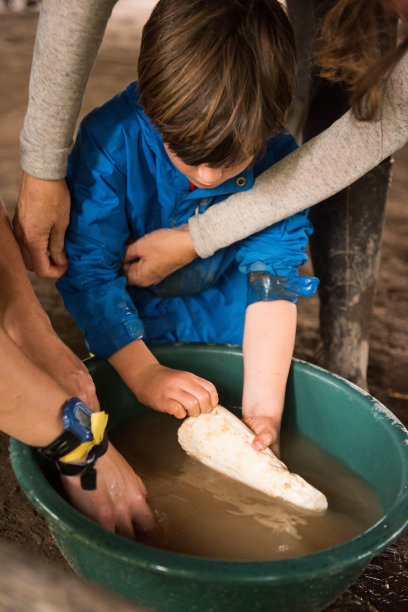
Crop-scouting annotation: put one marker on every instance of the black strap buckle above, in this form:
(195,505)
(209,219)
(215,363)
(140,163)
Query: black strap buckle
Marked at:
(86,470)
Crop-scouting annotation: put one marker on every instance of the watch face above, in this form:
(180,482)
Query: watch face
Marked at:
(77,419)
(83,418)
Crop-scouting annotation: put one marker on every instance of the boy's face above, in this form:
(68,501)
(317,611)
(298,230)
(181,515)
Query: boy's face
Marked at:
(203,176)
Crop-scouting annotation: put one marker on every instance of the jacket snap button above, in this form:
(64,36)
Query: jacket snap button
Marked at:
(241,181)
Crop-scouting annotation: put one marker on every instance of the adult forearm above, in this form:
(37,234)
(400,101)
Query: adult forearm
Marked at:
(16,293)
(320,168)
(31,402)
(68,38)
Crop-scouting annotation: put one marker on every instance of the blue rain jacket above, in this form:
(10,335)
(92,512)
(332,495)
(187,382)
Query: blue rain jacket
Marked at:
(123,185)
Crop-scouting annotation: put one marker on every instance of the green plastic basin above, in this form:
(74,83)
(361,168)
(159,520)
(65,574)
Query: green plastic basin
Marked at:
(348,423)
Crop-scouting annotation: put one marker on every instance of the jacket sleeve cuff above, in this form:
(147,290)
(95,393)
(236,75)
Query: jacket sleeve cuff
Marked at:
(115,338)
(263,287)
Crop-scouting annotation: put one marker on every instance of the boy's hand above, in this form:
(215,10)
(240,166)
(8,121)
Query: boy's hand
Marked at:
(156,255)
(266,431)
(174,391)
(119,500)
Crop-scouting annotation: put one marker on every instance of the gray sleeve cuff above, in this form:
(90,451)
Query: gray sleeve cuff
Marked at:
(199,243)
(48,164)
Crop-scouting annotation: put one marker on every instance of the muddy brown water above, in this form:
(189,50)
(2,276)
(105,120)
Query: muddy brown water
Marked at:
(204,513)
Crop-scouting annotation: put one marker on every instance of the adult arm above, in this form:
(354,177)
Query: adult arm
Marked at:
(320,168)
(28,326)
(67,42)
(31,410)
(323,166)
(38,374)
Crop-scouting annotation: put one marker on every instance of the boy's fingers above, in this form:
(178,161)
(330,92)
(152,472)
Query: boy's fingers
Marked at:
(199,397)
(209,399)
(259,443)
(175,408)
(190,402)
(265,440)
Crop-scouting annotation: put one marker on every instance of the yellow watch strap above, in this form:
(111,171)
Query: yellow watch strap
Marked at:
(98,426)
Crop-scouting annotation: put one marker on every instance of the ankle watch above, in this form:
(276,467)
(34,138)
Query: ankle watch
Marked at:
(77,421)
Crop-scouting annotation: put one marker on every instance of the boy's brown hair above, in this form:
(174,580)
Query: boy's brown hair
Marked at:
(216,77)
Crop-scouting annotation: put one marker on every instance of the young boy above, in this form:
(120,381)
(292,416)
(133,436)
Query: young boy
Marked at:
(205,118)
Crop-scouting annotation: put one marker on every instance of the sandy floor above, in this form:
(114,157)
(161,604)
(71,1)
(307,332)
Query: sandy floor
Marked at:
(388,349)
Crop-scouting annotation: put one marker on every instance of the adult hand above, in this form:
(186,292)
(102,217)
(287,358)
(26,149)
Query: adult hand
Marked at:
(40,221)
(266,433)
(174,391)
(156,255)
(119,501)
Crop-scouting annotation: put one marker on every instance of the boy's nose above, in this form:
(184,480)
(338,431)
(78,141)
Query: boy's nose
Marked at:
(208,176)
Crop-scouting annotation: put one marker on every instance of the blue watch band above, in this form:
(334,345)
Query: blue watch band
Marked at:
(77,419)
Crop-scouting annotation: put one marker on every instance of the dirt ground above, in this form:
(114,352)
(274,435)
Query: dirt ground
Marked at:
(388,365)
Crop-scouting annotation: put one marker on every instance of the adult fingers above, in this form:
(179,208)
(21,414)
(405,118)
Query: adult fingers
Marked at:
(131,271)
(125,527)
(141,273)
(56,244)
(37,259)
(143,519)
(43,265)
(42,209)
(132,251)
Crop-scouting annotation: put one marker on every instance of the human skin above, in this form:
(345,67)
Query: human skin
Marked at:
(29,327)
(269,338)
(41,200)
(38,374)
(164,389)
(40,222)
(144,271)
(205,176)
(154,256)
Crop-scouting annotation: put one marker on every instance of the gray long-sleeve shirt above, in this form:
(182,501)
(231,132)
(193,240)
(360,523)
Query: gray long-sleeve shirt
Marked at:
(68,38)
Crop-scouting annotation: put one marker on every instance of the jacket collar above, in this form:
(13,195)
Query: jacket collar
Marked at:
(180,183)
